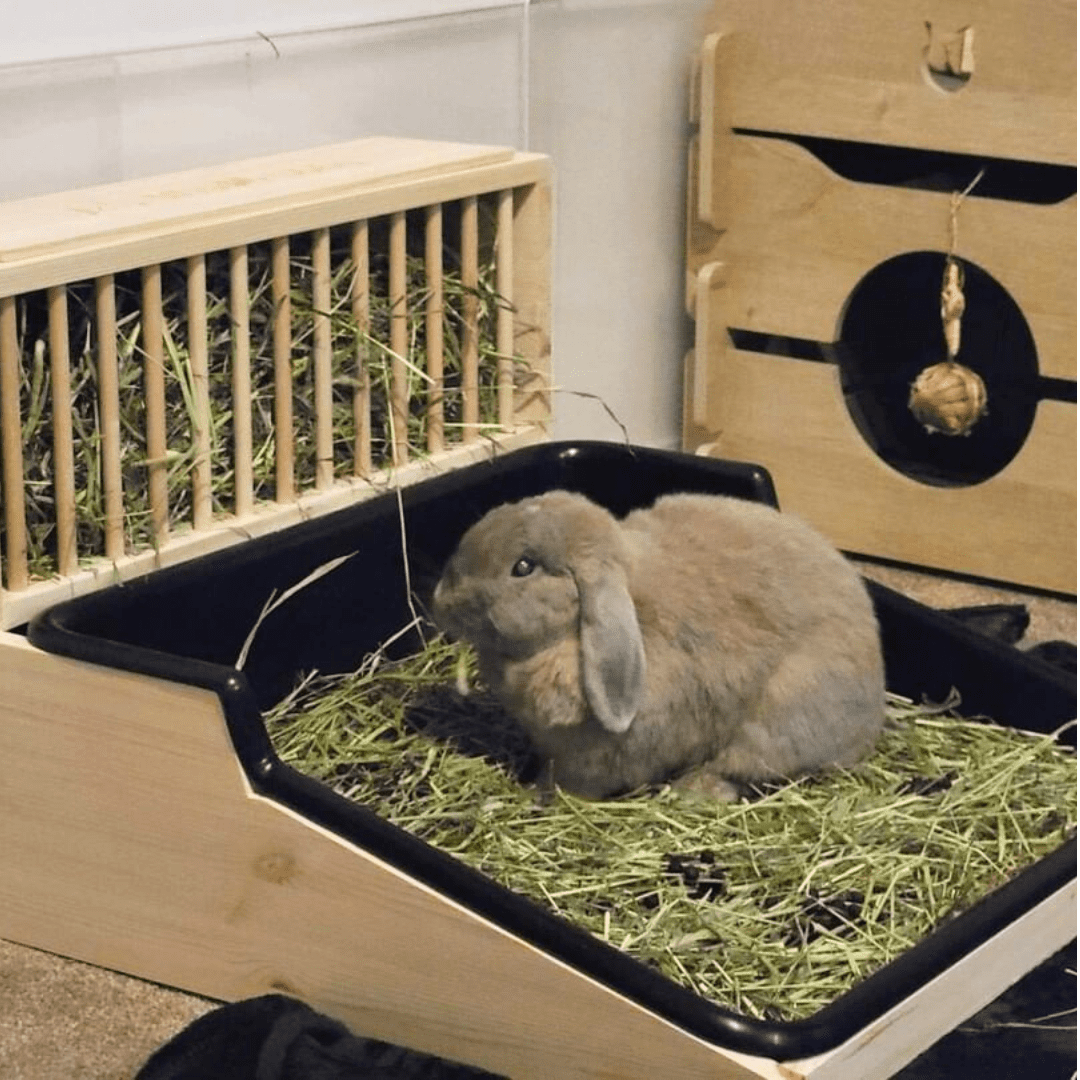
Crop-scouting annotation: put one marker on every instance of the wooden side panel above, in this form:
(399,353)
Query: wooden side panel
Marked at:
(801,238)
(789,416)
(131,840)
(851,70)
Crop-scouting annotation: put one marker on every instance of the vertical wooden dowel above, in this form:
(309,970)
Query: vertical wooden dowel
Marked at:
(67,558)
(470,331)
(399,341)
(17,574)
(240,313)
(433,325)
(109,404)
(324,401)
(198,356)
(361,313)
(504,323)
(154,386)
(362,320)
(283,413)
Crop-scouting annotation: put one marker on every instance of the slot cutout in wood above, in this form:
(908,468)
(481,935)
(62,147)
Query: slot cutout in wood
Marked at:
(936,170)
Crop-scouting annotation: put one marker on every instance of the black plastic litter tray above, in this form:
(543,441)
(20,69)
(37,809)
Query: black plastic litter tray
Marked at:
(188,623)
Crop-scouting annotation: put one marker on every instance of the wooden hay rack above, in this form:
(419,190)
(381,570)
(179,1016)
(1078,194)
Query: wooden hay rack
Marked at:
(312,256)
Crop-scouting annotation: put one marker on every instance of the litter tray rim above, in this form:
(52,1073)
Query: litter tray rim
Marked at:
(56,631)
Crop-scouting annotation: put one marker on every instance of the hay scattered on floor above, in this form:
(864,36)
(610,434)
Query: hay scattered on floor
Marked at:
(773,906)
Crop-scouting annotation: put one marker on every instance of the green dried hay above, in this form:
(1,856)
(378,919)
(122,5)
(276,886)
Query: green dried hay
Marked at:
(773,906)
(348,341)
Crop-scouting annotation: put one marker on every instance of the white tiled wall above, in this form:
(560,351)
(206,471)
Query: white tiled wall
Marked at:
(598,84)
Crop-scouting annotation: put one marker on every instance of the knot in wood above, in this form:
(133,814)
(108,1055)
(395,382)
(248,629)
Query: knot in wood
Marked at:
(277,867)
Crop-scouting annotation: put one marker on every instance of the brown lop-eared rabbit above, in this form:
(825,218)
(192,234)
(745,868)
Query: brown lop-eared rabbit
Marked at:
(706,639)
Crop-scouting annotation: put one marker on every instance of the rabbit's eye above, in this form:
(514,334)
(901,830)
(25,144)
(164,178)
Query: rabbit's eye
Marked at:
(523,567)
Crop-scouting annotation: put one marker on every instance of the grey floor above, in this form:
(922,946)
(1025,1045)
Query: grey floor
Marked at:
(64,1019)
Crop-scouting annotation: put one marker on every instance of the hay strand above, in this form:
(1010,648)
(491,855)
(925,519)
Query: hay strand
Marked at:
(275,601)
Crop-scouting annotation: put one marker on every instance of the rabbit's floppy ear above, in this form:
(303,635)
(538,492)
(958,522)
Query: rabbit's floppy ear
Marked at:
(612,651)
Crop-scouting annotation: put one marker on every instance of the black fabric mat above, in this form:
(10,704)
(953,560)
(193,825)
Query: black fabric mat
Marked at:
(278,1038)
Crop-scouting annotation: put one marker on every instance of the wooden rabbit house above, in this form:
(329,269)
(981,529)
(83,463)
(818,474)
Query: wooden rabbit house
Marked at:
(845,153)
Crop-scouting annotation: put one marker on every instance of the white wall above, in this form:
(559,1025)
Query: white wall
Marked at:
(609,85)
(598,84)
(118,26)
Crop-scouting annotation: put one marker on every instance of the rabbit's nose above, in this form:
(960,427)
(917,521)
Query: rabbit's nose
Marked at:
(449,576)
(443,589)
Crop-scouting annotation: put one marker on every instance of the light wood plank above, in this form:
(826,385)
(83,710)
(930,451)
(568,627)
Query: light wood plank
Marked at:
(532,304)
(74,235)
(710,338)
(199,883)
(801,239)
(41,223)
(700,237)
(850,70)
(196,882)
(713,202)
(790,416)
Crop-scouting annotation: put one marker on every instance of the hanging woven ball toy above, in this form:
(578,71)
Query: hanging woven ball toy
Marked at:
(949,398)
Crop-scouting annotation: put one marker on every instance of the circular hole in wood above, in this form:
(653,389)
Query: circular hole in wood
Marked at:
(891,330)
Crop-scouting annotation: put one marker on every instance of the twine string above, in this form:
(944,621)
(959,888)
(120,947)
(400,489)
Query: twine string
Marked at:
(952,282)
(955,200)
(949,398)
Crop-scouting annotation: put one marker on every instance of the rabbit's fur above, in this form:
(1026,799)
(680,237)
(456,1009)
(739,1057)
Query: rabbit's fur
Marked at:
(706,637)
